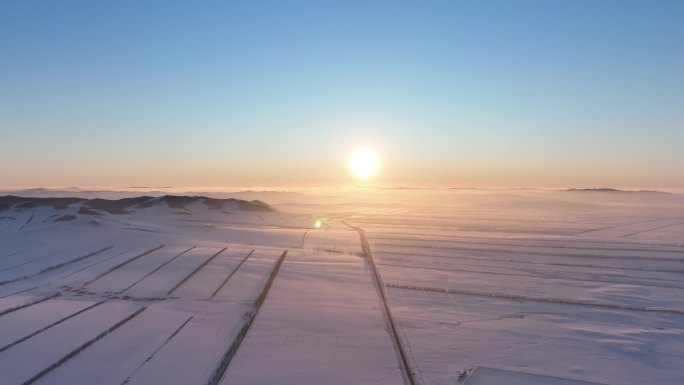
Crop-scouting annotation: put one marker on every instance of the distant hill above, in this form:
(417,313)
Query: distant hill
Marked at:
(126,205)
(612,190)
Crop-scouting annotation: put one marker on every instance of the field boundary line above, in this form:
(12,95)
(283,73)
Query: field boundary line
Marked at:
(86,283)
(13,253)
(160,347)
(530,243)
(585,265)
(18,292)
(250,316)
(155,270)
(19,307)
(81,348)
(530,252)
(231,274)
(98,262)
(57,266)
(22,339)
(198,268)
(625,281)
(517,297)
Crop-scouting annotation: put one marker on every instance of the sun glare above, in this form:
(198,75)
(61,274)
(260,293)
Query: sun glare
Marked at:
(364,162)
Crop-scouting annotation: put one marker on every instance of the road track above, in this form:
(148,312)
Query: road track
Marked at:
(407,373)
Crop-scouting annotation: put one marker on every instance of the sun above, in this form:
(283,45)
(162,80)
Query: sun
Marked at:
(364,162)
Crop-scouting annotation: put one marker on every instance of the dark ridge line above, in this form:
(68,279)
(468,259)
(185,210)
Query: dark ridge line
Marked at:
(198,268)
(82,348)
(160,347)
(674,271)
(505,251)
(19,307)
(97,263)
(517,297)
(49,326)
(18,292)
(231,274)
(407,373)
(86,283)
(559,244)
(155,270)
(220,370)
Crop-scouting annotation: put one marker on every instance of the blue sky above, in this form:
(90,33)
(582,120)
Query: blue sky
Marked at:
(258,93)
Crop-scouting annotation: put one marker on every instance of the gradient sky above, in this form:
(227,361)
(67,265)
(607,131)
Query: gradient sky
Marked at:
(543,93)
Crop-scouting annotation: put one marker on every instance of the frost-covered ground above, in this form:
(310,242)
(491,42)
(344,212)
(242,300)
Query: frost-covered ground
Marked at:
(396,287)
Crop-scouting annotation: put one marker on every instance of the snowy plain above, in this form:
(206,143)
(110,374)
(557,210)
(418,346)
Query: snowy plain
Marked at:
(397,286)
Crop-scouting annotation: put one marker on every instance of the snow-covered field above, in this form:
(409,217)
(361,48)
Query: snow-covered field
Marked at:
(399,286)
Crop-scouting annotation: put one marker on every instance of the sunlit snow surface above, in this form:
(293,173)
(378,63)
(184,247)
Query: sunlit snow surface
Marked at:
(543,287)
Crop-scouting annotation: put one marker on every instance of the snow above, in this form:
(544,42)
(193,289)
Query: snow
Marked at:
(484,287)
(490,376)
(19,324)
(322,324)
(21,362)
(120,352)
